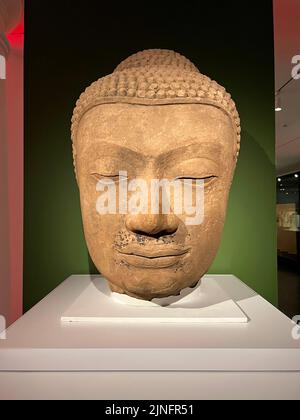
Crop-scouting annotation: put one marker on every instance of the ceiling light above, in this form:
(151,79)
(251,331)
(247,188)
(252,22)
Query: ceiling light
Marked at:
(279,179)
(296,176)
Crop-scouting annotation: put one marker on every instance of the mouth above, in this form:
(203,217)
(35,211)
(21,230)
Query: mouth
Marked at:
(153,258)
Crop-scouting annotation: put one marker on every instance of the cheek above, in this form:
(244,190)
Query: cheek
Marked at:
(98,228)
(212,210)
(215,205)
(206,237)
(88,200)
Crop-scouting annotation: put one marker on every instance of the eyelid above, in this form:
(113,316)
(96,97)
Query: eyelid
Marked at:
(208,180)
(98,176)
(196,177)
(105,177)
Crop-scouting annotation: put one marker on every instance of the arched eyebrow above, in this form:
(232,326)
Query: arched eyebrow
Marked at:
(121,152)
(210,150)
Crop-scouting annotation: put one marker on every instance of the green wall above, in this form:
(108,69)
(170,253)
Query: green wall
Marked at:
(72,48)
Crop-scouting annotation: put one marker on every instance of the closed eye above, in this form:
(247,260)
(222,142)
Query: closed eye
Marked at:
(106,178)
(207,179)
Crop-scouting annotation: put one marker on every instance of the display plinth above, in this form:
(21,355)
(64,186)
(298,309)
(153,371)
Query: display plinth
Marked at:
(206,303)
(40,346)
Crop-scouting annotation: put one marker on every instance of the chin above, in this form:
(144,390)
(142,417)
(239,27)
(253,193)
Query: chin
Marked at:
(148,284)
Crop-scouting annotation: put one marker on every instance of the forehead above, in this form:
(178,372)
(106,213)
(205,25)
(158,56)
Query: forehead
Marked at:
(154,129)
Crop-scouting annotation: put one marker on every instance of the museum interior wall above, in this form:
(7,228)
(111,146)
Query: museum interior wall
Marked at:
(287,123)
(64,55)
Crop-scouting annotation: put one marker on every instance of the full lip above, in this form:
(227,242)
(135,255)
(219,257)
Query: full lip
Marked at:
(153,258)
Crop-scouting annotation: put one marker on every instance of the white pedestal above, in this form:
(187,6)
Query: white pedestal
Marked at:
(45,358)
(208,302)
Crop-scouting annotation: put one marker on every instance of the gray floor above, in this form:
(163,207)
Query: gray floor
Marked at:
(289,291)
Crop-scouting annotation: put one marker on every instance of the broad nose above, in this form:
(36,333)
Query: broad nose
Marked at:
(152,225)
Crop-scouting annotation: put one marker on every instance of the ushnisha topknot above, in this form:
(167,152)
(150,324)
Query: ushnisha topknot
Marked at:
(156,58)
(155,77)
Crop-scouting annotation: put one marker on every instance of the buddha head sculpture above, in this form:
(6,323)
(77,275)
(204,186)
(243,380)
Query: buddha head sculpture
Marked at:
(155,119)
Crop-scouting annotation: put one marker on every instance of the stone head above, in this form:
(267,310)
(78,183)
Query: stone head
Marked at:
(155,119)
